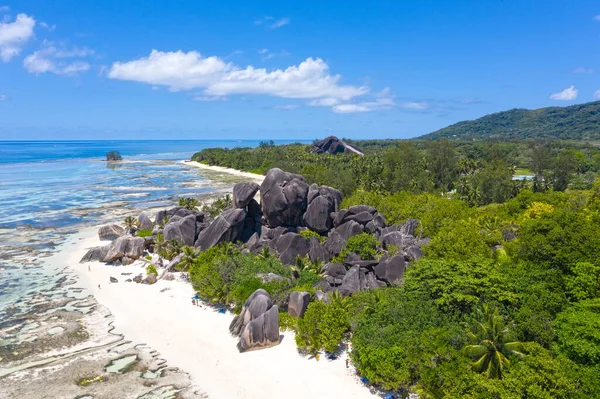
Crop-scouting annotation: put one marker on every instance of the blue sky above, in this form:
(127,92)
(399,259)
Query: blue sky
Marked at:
(284,70)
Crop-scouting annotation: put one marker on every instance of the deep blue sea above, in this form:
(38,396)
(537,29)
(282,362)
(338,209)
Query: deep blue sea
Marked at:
(50,189)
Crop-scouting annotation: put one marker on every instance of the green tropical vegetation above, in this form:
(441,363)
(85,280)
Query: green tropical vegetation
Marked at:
(576,122)
(504,304)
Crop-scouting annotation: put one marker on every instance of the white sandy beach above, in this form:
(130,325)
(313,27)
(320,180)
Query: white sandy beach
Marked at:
(255,177)
(197,340)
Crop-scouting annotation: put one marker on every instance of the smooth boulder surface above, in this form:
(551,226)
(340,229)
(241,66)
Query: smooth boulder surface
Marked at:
(131,247)
(334,243)
(351,282)
(178,211)
(336,270)
(144,222)
(110,232)
(391,269)
(298,303)
(96,254)
(318,251)
(291,245)
(227,227)
(262,332)
(397,239)
(349,229)
(283,198)
(150,279)
(243,193)
(258,323)
(318,215)
(182,230)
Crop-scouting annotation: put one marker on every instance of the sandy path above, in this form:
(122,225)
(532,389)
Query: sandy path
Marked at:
(197,340)
(255,177)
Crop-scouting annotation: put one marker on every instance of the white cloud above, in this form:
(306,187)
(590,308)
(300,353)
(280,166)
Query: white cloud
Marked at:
(209,98)
(185,71)
(268,56)
(3,97)
(4,8)
(582,70)
(14,35)
(272,25)
(568,94)
(415,105)
(279,23)
(48,27)
(365,106)
(597,95)
(52,59)
(597,18)
(324,102)
(263,51)
(286,107)
(350,108)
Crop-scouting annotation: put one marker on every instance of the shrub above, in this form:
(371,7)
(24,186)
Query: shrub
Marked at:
(323,327)
(215,208)
(144,233)
(151,269)
(584,283)
(458,240)
(363,244)
(309,233)
(578,332)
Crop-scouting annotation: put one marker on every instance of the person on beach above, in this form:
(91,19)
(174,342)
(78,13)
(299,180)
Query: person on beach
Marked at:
(98,286)
(347,362)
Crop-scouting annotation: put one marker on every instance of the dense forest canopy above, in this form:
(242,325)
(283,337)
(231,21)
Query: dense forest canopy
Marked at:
(576,122)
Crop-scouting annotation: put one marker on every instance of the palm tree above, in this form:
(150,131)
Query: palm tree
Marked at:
(173,248)
(188,258)
(189,203)
(160,246)
(130,223)
(492,351)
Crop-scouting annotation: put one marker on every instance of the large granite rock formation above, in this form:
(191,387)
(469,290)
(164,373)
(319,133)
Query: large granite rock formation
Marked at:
(110,232)
(130,247)
(179,211)
(290,246)
(144,222)
(298,303)
(184,230)
(333,145)
(227,227)
(322,202)
(243,193)
(283,198)
(257,325)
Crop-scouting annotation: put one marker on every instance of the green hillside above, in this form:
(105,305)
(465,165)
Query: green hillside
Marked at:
(576,122)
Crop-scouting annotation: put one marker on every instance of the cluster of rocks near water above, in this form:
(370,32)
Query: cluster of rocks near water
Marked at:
(288,205)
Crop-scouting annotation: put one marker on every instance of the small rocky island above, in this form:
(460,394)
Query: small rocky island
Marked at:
(288,207)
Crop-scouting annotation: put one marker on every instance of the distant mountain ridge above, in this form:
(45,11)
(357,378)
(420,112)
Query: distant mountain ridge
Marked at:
(575,122)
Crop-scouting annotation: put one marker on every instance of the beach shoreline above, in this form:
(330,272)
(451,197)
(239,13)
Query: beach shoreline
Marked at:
(254,176)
